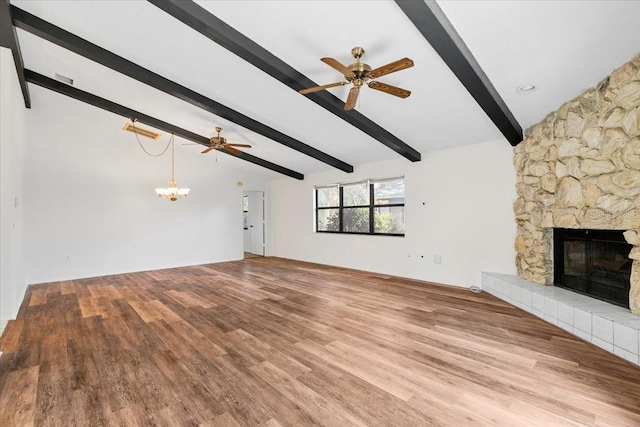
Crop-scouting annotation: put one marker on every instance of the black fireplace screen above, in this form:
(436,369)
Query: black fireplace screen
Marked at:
(593,262)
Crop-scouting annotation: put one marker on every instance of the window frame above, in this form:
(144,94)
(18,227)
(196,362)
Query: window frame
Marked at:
(245,212)
(371,206)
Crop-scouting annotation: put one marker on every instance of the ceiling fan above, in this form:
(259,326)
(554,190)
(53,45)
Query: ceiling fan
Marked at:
(220,143)
(359,74)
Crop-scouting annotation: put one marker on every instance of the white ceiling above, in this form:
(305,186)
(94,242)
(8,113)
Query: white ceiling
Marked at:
(562,47)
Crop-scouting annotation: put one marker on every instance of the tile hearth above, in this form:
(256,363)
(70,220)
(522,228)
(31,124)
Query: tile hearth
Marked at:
(608,326)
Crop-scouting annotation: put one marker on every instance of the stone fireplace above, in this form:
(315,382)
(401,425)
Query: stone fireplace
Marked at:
(580,169)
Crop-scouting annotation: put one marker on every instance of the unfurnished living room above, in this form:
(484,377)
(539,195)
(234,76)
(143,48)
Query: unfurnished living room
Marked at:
(319,213)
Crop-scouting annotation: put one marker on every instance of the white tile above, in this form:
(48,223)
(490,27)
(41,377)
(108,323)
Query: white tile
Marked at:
(625,338)
(505,288)
(582,320)
(590,304)
(602,328)
(565,313)
(526,298)
(625,318)
(537,302)
(497,285)
(526,308)
(493,281)
(602,344)
(608,326)
(566,326)
(538,313)
(551,307)
(487,281)
(605,307)
(631,357)
(585,336)
(516,293)
(550,319)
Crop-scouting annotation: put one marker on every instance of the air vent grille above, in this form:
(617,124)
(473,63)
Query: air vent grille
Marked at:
(148,133)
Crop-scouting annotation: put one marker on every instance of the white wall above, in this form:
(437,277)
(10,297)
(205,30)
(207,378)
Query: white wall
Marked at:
(12,141)
(467,217)
(90,208)
(85,192)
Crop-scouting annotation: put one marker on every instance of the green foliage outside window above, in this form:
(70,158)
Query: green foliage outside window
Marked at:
(348,208)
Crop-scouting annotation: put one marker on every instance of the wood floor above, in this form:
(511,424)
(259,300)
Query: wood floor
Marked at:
(270,342)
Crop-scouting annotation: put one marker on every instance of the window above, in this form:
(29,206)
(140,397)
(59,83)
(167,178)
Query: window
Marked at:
(366,207)
(245,212)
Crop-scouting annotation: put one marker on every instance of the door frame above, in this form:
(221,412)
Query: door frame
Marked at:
(256,217)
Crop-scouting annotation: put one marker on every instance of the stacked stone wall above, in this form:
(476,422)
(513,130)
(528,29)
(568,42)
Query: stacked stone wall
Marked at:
(580,168)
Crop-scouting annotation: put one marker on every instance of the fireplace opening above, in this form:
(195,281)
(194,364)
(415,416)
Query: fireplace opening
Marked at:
(593,262)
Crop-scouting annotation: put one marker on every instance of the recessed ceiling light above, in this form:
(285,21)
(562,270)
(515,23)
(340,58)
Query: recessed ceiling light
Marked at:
(526,89)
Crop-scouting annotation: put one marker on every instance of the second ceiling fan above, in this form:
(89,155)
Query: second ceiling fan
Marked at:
(360,74)
(220,143)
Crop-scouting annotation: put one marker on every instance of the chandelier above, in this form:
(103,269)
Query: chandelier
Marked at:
(172,192)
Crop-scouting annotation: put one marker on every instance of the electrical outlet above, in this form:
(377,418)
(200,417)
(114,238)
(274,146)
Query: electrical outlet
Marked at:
(437,259)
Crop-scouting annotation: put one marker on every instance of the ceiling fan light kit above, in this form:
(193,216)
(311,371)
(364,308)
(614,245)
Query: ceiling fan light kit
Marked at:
(359,74)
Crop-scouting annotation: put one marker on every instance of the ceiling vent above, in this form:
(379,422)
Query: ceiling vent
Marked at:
(148,133)
(64,79)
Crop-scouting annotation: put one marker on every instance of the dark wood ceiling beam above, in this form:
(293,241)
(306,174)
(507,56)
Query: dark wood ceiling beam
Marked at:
(80,46)
(226,36)
(435,27)
(9,39)
(96,101)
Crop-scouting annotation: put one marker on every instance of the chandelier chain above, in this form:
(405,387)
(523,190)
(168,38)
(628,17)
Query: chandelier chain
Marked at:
(133,121)
(173,166)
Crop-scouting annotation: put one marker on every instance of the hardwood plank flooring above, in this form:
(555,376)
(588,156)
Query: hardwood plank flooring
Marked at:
(272,342)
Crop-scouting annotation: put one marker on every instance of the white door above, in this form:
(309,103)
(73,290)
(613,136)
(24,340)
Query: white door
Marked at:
(256,221)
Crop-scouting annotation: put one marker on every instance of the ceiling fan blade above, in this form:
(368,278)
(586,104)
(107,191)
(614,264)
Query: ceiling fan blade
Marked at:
(391,90)
(391,67)
(232,150)
(238,145)
(334,63)
(319,88)
(206,150)
(352,98)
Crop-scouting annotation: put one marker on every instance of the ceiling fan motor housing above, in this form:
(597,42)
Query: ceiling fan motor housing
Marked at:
(360,71)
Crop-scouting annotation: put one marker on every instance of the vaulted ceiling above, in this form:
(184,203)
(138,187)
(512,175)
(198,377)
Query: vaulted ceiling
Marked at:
(186,67)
